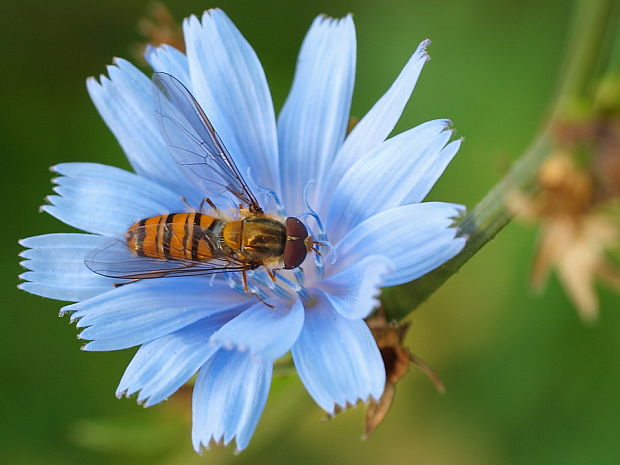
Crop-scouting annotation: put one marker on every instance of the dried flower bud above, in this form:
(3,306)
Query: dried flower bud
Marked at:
(576,231)
(159,27)
(397,358)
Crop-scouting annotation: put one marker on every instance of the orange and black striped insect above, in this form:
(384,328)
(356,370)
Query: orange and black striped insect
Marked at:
(196,243)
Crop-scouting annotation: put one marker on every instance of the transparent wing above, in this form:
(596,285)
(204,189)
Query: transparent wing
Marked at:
(194,143)
(116,260)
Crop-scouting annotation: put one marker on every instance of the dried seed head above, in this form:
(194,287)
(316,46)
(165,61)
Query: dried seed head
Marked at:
(390,339)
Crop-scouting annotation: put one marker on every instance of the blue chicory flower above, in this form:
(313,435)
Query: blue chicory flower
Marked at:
(361,193)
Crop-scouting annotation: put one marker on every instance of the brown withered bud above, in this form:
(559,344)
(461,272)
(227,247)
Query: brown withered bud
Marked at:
(565,188)
(579,185)
(606,162)
(575,232)
(159,27)
(397,358)
(599,138)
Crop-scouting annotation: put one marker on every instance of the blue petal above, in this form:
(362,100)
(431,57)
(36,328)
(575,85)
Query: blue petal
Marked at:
(140,312)
(264,332)
(125,102)
(58,270)
(106,200)
(431,170)
(162,366)
(374,128)
(353,291)
(313,121)
(169,60)
(337,358)
(396,174)
(416,238)
(229,397)
(230,84)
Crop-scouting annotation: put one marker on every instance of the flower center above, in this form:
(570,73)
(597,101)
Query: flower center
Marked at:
(290,284)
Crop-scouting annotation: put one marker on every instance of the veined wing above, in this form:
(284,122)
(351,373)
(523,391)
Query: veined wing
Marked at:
(194,143)
(172,255)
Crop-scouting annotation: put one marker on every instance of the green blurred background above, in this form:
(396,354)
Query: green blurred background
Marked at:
(527,382)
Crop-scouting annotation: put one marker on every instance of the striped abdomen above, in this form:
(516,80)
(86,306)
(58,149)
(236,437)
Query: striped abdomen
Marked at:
(175,236)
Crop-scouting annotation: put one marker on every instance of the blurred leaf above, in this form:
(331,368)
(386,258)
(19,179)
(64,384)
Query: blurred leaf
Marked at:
(131,435)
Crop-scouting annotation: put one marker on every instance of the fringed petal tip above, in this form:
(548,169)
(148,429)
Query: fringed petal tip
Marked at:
(422,52)
(207,15)
(337,358)
(347,405)
(461,229)
(313,120)
(148,310)
(105,200)
(165,58)
(69,310)
(201,448)
(91,82)
(56,266)
(26,286)
(142,400)
(447,123)
(228,399)
(125,102)
(326,20)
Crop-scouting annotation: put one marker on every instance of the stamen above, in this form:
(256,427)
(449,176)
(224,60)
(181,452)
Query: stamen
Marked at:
(296,287)
(322,236)
(258,292)
(299,275)
(262,278)
(235,283)
(331,254)
(311,212)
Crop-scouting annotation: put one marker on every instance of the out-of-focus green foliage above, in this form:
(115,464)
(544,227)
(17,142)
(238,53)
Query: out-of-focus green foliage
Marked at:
(527,382)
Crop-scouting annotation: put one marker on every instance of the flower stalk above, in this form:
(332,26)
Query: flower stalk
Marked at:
(594,36)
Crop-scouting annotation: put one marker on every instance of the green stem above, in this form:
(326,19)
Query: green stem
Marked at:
(592,23)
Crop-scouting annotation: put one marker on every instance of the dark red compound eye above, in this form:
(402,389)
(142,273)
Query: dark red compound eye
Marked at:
(295,248)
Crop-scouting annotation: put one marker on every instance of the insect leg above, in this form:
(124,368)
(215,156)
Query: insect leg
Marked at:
(244,277)
(209,202)
(246,288)
(271,274)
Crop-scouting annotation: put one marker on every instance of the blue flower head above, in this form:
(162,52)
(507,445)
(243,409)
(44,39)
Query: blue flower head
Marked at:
(358,194)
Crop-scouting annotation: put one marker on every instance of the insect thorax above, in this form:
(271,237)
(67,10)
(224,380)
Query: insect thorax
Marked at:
(255,238)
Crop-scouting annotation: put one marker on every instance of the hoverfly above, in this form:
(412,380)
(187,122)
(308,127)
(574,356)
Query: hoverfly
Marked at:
(196,243)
